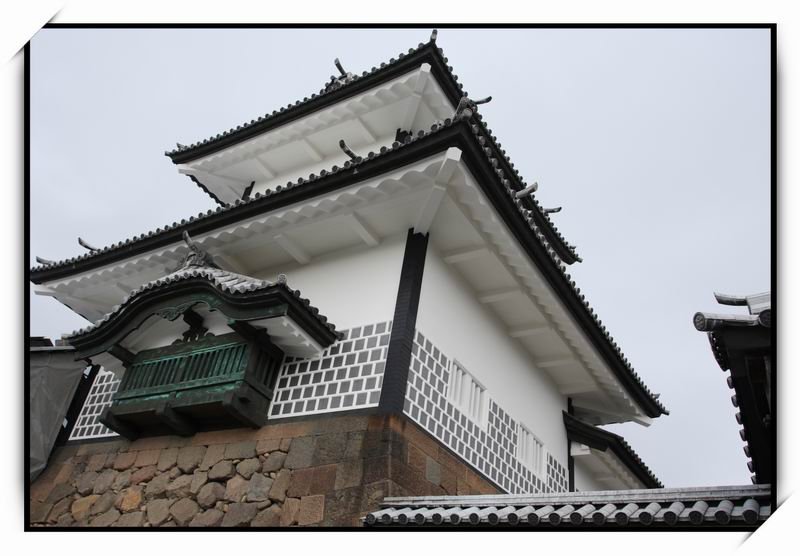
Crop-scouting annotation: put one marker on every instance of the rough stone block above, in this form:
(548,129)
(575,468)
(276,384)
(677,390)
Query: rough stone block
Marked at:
(199,478)
(65,473)
(39,511)
(312,480)
(80,507)
(146,457)
(301,453)
(208,518)
(157,486)
(96,462)
(433,471)
(235,489)
(349,474)
(273,462)
(258,488)
(285,443)
(104,481)
(239,515)
(289,512)
(59,509)
(214,454)
(240,450)
(183,511)
(158,511)
(267,445)
(133,519)
(105,519)
(329,448)
(103,504)
(355,440)
(180,487)
(189,457)
(221,471)
(124,460)
(280,485)
(270,517)
(62,490)
(86,482)
(247,467)
(312,509)
(129,499)
(167,458)
(122,480)
(209,494)
(143,475)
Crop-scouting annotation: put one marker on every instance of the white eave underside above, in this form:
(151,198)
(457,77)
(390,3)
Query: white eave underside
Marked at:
(465,231)
(365,121)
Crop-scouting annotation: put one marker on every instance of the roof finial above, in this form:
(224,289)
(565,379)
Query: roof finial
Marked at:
(40,260)
(434,34)
(85,245)
(527,191)
(196,256)
(552,210)
(338,65)
(467,107)
(347,150)
(282,279)
(180,147)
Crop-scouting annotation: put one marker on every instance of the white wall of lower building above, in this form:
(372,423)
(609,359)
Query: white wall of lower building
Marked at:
(584,478)
(452,319)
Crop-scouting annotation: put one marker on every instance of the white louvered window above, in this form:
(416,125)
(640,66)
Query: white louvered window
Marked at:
(530,450)
(468,395)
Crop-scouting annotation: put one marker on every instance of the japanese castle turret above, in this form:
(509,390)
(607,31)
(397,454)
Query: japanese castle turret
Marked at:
(455,355)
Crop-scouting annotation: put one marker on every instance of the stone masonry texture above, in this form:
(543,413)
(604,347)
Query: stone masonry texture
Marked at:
(316,472)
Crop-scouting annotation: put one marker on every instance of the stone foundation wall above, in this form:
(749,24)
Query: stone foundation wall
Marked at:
(316,472)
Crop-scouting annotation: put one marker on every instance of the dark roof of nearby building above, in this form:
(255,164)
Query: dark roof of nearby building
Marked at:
(42,343)
(466,134)
(731,507)
(725,333)
(603,440)
(352,85)
(199,266)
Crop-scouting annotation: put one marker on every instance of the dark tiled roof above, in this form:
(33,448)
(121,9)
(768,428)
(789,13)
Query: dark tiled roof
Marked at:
(222,280)
(704,507)
(603,440)
(263,201)
(348,87)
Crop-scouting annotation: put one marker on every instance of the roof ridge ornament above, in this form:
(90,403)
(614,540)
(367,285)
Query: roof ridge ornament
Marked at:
(85,245)
(467,107)
(529,190)
(347,150)
(40,260)
(552,210)
(434,34)
(196,256)
(343,78)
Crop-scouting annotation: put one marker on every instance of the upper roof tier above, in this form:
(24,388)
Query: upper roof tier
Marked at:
(408,94)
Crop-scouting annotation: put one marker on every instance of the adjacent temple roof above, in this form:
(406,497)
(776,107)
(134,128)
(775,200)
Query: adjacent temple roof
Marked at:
(737,507)
(604,440)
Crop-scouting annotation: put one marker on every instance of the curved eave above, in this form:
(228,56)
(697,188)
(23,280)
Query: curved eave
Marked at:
(603,440)
(495,186)
(251,305)
(424,53)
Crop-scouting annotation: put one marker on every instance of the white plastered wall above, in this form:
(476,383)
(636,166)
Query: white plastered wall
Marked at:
(351,287)
(453,320)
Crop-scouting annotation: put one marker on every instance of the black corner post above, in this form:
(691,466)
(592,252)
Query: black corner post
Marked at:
(570,459)
(401,341)
(78,399)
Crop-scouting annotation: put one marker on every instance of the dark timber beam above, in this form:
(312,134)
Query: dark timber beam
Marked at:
(122,354)
(398,358)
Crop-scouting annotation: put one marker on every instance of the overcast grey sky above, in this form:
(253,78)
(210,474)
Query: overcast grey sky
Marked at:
(655,142)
